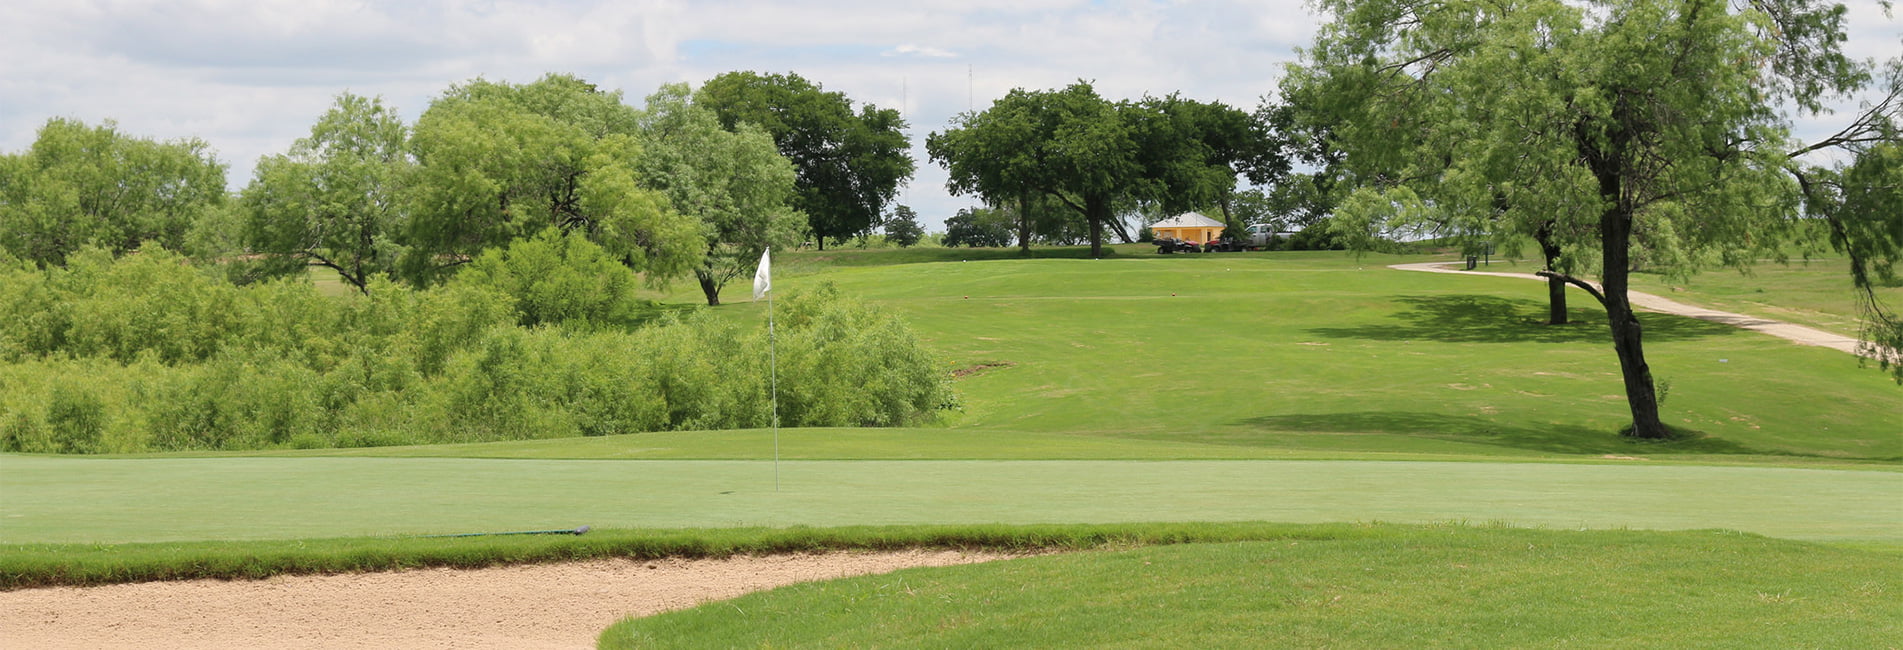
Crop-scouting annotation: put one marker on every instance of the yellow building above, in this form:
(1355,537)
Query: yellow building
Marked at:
(1189,227)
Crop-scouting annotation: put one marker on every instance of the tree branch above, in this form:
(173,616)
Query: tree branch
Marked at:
(1588,286)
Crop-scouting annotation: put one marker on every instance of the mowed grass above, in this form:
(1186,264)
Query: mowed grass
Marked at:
(84,501)
(1323,351)
(1413,588)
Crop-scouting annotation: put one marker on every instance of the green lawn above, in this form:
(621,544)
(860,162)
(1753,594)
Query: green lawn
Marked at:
(1418,588)
(1323,351)
(82,500)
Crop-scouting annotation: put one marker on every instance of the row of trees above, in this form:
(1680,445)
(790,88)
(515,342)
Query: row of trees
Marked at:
(690,183)
(1617,134)
(1074,151)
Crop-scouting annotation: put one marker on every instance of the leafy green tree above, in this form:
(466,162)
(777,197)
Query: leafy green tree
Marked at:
(1193,153)
(80,185)
(498,162)
(1069,144)
(850,165)
(735,182)
(978,228)
(335,197)
(558,278)
(1862,201)
(1647,128)
(903,228)
(988,157)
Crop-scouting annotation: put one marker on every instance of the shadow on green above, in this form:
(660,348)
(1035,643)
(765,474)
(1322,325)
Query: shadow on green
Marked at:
(1556,438)
(1474,318)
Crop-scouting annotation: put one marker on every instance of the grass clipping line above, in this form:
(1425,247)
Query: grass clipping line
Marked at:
(45,565)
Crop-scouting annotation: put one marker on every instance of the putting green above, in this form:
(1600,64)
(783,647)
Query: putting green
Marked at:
(53,499)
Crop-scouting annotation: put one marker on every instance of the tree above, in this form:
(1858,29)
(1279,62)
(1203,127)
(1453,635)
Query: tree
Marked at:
(1642,129)
(1070,144)
(81,185)
(902,228)
(1300,126)
(850,166)
(498,162)
(735,182)
(1194,151)
(979,227)
(334,198)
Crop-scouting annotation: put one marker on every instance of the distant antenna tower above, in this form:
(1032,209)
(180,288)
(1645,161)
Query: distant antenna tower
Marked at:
(905,115)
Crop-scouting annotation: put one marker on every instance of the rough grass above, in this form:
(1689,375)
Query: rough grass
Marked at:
(1415,587)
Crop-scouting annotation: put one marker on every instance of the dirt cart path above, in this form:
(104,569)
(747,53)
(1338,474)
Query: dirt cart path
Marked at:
(536,606)
(1796,333)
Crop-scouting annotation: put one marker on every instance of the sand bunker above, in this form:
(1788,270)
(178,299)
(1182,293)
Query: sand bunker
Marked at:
(536,606)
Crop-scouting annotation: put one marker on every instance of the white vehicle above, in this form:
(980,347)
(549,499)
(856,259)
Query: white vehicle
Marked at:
(1260,234)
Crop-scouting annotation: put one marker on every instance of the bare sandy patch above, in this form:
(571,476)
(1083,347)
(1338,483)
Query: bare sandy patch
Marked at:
(535,606)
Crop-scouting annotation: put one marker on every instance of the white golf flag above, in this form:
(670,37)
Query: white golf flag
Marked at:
(763,278)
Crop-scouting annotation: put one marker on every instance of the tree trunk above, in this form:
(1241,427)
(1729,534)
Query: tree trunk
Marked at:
(1555,287)
(708,286)
(1024,223)
(1095,211)
(1117,225)
(1556,301)
(1616,233)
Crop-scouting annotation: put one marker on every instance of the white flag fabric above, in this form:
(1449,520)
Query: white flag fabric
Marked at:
(763,278)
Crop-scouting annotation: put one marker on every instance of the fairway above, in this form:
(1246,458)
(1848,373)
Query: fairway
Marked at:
(127,500)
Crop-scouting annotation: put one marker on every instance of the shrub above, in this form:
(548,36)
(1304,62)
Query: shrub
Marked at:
(559,279)
(76,419)
(845,363)
(117,356)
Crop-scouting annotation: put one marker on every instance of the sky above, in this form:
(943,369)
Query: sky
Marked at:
(250,76)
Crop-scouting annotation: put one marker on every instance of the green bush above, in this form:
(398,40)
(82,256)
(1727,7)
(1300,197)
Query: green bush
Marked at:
(76,419)
(559,279)
(145,352)
(845,363)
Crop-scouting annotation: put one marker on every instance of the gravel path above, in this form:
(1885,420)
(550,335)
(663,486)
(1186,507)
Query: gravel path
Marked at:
(525,607)
(1796,333)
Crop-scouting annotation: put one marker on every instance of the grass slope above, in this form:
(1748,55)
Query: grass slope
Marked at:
(1423,587)
(1321,351)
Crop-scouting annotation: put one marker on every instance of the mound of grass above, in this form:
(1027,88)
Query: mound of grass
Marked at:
(1414,587)
(41,565)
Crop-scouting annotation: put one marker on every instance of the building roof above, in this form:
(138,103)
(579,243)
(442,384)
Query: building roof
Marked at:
(1188,220)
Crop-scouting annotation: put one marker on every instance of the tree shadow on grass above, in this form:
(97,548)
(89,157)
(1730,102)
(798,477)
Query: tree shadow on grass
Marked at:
(1472,318)
(1558,438)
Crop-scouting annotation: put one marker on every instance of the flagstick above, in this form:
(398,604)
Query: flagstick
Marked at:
(773,354)
(763,283)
